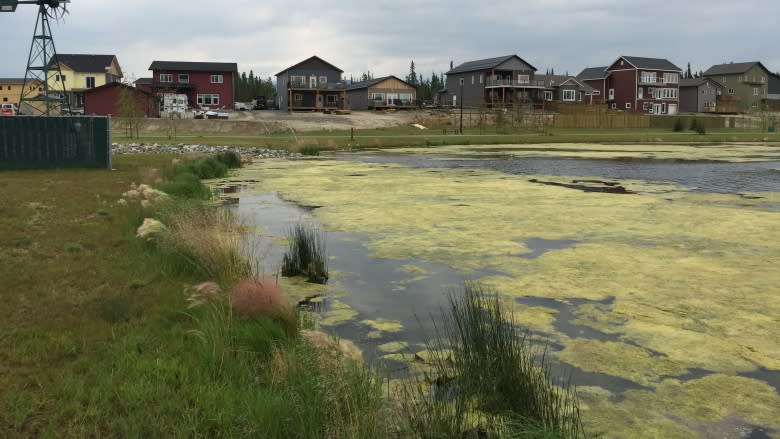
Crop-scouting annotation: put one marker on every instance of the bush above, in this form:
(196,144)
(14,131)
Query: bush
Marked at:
(186,185)
(678,125)
(208,168)
(305,255)
(694,124)
(231,159)
(312,150)
(701,129)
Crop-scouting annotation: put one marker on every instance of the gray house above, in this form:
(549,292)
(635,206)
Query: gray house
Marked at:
(745,84)
(566,89)
(382,93)
(312,84)
(699,95)
(495,82)
(774,90)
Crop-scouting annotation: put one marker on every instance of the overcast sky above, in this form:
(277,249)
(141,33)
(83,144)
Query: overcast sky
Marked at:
(384,36)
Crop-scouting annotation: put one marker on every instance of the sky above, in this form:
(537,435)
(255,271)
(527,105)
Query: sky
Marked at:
(383,37)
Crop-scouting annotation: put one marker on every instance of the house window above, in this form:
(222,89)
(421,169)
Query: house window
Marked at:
(332,99)
(90,82)
(378,97)
(548,95)
(59,77)
(481,78)
(640,93)
(523,79)
(312,81)
(323,81)
(648,78)
(569,95)
(208,99)
(756,91)
(184,78)
(406,98)
(166,77)
(473,79)
(671,78)
(5,99)
(298,98)
(628,105)
(723,79)
(763,79)
(596,92)
(611,94)
(217,79)
(297,81)
(731,91)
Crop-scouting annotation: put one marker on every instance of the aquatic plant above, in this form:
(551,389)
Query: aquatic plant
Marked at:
(231,159)
(487,376)
(305,255)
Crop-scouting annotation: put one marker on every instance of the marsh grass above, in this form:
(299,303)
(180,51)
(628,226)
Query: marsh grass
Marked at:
(231,159)
(305,255)
(487,376)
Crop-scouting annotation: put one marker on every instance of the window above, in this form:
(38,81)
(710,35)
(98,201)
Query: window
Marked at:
(454,100)
(297,81)
(596,92)
(208,99)
(406,98)
(763,79)
(473,79)
(298,98)
(323,81)
(90,82)
(184,78)
(312,81)
(569,95)
(523,79)
(640,93)
(548,95)
(332,99)
(648,78)
(731,91)
(756,91)
(5,99)
(378,97)
(481,78)
(671,78)
(166,77)
(723,79)
(663,108)
(217,79)
(59,77)
(611,94)
(628,105)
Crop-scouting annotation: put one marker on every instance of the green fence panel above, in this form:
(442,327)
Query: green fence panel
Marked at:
(28,142)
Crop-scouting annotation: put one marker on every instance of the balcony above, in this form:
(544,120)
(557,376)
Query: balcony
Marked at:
(653,82)
(511,83)
(316,86)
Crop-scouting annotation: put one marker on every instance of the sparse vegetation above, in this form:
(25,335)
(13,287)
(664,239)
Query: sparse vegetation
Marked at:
(305,255)
(678,126)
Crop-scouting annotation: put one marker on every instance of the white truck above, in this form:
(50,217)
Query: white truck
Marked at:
(9,110)
(174,104)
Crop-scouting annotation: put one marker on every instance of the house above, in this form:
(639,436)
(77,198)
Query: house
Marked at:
(144,84)
(643,85)
(11,89)
(596,78)
(494,82)
(773,97)
(566,89)
(699,95)
(312,84)
(745,83)
(81,72)
(207,84)
(381,93)
(121,100)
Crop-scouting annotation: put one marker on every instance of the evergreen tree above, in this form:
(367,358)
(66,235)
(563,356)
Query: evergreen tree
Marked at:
(688,73)
(552,71)
(451,65)
(411,78)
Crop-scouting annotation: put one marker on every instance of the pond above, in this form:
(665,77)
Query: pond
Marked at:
(660,300)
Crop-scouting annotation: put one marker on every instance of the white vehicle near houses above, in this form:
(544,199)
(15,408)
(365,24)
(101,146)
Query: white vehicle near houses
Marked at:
(174,104)
(242,106)
(9,110)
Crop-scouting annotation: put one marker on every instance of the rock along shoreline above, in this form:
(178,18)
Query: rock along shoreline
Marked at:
(181,148)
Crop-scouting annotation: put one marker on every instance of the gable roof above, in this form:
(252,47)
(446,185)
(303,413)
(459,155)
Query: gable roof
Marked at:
(373,82)
(485,64)
(591,73)
(84,63)
(650,63)
(11,80)
(117,84)
(144,81)
(732,68)
(192,66)
(314,57)
(553,81)
(696,82)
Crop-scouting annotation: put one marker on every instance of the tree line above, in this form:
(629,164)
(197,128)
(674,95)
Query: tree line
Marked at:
(249,87)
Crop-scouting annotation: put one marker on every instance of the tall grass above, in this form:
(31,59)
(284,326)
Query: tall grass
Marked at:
(487,377)
(305,255)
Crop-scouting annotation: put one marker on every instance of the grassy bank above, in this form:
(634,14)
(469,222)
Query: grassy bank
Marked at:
(407,136)
(108,334)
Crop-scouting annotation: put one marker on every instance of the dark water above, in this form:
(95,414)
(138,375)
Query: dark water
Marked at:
(715,177)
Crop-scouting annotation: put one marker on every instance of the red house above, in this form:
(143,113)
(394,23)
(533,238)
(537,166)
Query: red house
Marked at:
(643,85)
(207,84)
(595,77)
(106,100)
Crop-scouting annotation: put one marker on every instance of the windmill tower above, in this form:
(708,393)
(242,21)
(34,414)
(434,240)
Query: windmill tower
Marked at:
(43,93)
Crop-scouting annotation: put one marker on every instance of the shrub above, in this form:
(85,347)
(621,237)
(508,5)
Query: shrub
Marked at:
(312,150)
(186,185)
(678,125)
(305,255)
(263,298)
(231,159)
(208,168)
(694,124)
(701,129)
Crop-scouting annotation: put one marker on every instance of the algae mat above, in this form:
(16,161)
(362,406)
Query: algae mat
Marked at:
(686,284)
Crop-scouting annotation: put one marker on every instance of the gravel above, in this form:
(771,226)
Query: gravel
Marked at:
(154,148)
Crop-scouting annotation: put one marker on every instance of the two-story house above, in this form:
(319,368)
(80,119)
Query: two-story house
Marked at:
(312,84)
(11,89)
(207,84)
(565,89)
(596,78)
(644,85)
(494,82)
(699,95)
(745,84)
(80,72)
(381,93)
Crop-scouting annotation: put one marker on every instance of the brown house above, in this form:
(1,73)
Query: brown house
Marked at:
(387,92)
(643,85)
(107,100)
(312,84)
(596,78)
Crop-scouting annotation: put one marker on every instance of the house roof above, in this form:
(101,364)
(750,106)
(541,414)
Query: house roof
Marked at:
(373,82)
(144,81)
(732,68)
(315,57)
(552,81)
(696,82)
(193,66)
(117,84)
(651,63)
(11,80)
(83,62)
(485,64)
(590,73)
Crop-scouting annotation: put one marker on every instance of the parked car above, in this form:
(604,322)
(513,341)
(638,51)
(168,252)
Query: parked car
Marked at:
(241,106)
(9,110)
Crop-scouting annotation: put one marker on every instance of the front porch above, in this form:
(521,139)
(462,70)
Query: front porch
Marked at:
(300,99)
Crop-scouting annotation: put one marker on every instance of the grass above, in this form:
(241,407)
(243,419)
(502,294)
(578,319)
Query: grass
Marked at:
(487,378)
(305,255)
